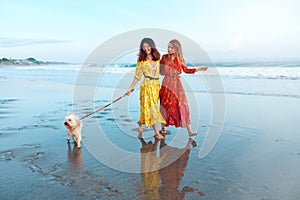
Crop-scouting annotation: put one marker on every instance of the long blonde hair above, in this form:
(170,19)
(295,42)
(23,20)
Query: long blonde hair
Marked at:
(178,49)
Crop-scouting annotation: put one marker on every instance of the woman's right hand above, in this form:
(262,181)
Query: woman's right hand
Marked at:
(129,92)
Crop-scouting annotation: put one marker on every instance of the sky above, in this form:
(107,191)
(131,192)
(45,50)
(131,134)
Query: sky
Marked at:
(69,31)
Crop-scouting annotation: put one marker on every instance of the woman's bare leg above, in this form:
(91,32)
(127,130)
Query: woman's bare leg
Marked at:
(140,128)
(189,129)
(163,129)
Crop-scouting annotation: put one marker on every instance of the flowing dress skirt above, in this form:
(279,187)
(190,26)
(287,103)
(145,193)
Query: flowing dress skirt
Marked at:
(149,110)
(173,103)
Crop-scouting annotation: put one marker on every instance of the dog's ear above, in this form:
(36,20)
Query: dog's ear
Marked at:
(76,117)
(78,122)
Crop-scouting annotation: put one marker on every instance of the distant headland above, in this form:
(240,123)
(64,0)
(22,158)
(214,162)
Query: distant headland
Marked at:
(28,61)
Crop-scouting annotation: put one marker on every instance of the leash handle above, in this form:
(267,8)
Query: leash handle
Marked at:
(103,107)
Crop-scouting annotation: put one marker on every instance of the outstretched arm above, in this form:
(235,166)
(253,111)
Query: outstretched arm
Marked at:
(201,69)
(191,70)
(188,70)
(133,84)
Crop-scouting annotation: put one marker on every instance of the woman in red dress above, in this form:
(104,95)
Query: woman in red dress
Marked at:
(173,103)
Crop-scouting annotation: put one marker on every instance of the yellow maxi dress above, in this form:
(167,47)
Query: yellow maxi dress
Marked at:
(149,93)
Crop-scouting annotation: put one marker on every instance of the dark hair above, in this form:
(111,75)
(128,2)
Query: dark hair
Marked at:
(154,52)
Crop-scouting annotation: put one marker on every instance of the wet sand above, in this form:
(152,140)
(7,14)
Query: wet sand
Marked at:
(256,157)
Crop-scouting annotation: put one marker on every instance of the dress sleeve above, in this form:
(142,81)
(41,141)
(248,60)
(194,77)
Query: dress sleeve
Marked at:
(186,69)
(138,71)
(162,67)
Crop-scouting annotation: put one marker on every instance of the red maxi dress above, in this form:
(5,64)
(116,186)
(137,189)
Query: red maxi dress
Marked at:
(173,103)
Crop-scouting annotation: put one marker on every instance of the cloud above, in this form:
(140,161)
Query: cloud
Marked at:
(15,42)
(236,42)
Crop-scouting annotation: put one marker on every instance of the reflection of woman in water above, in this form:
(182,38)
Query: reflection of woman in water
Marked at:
(149,169)
(172,174)
(148,65)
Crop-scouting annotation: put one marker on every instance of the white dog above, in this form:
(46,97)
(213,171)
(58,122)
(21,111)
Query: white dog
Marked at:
(74,127)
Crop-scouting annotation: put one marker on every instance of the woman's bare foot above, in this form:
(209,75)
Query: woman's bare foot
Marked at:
(191,134)
(159,136)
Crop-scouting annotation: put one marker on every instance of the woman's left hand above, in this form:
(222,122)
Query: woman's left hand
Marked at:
(202,69)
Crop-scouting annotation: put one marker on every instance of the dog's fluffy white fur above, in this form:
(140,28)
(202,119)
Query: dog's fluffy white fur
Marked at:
(74,127)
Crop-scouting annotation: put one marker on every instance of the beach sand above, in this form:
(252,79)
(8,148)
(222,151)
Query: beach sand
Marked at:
(256,157)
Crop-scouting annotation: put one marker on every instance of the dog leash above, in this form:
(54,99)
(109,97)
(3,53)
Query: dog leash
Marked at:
(103,107)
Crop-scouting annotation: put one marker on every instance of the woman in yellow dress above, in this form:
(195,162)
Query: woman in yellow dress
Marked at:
(148,65)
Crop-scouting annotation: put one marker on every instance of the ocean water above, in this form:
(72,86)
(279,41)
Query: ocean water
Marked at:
(249,78)
(256,156)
